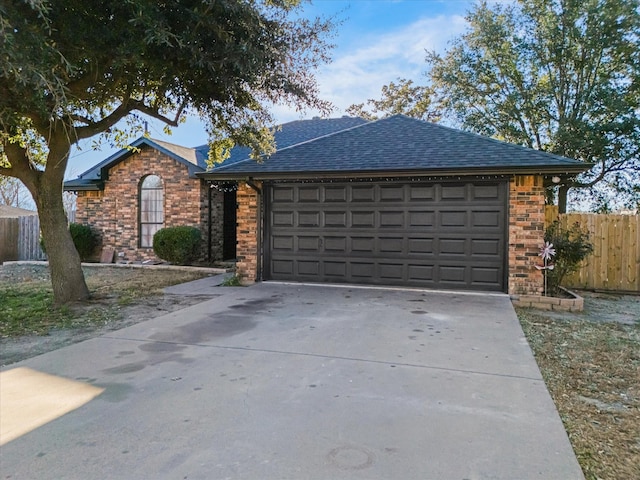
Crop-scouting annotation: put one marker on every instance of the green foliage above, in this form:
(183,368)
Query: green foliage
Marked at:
(83,238)
(401,98)
(572,246)
(178,245)
(555,75)
(232,282)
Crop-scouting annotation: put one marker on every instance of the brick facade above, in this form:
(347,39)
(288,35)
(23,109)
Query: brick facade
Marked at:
(113,212)
(526,234)
(248,218)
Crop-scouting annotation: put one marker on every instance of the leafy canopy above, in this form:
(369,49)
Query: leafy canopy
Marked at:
(79,67)
(556,75)
(402,97)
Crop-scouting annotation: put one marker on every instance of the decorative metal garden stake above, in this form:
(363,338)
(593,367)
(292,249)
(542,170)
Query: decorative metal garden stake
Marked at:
(547,252)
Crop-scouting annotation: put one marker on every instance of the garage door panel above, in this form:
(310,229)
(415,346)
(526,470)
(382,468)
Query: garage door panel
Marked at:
(421,218)
(283,193)
(452,246)
(365,219)
(453,274)
(283,219)
(335,244)
(392,245)
(392,219)
(336,269)
(336,219)
(363,193)
(422,193)
(420,273)
(434,235)
(417,246)
(485,276)
(456,219)
(283,267)
(392,193)
(484,247)
(310,194)
(453,192)
(309,243)
(363,244)
(392,271)
(485,192)
(283,242)
(486,219)
(335,194)
(309,219)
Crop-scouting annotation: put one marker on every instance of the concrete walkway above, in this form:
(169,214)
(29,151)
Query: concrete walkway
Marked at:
(305,382)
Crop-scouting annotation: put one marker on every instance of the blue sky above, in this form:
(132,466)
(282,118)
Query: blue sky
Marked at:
(377,42)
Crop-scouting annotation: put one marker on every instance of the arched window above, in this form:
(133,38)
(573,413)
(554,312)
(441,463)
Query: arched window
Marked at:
(151,209)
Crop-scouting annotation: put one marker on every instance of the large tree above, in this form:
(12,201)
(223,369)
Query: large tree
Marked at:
(555,75)
(72,69)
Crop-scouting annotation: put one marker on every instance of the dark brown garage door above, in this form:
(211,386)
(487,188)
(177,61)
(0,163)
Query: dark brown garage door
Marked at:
(434,235)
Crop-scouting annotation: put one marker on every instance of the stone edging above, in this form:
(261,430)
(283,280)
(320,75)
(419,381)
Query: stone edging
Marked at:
(575,304)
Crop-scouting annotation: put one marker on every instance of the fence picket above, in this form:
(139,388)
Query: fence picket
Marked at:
(615,262)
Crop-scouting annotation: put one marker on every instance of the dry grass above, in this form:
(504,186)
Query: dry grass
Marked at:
(26,299)
(592,370)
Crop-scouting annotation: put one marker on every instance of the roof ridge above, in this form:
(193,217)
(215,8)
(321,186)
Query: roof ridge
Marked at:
(367,122)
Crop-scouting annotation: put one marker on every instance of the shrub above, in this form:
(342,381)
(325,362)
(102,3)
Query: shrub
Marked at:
(572,246)
(83,238)
(179,245)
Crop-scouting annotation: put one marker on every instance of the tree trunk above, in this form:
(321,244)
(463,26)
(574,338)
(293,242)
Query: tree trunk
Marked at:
(562,198)
(67,278)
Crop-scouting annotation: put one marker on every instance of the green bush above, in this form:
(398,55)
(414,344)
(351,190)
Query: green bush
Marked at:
(572,246)
(83,238)
(178,245)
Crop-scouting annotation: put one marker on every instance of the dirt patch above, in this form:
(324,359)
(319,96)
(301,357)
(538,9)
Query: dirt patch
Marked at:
(590,361)
(120,297)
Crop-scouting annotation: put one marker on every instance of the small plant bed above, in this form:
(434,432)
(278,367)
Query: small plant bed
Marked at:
(564,300)
(590,362)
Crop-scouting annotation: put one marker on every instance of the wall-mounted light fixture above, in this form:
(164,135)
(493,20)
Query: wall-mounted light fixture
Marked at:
(555,179)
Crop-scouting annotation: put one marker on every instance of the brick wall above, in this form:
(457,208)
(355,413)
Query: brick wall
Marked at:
(526,234)
(248,218)
(113,213)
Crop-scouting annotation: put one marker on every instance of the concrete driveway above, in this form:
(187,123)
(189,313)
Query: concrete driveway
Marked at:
(305,382)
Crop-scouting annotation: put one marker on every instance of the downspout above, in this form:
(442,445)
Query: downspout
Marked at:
(209,226)
(257,189)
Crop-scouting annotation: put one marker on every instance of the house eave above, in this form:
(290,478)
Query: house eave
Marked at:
(560,170)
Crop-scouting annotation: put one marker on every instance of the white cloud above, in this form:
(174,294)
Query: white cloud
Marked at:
(360,72)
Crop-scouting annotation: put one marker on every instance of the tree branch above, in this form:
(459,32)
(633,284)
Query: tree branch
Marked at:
(21,167)
(153,112)
(93,128)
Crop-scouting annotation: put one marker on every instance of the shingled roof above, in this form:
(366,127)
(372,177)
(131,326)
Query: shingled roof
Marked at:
(398,145)
(286,135)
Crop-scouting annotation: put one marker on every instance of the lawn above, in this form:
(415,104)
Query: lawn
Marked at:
(26,298)
(592,370)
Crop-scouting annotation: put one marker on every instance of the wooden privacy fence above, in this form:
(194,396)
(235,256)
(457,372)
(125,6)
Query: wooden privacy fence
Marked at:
(20,239)
(615,261)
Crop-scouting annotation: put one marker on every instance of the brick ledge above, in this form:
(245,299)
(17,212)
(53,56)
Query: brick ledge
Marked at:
(540,302)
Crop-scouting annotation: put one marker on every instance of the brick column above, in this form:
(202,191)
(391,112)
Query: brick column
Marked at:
(248,217)
(526,234)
